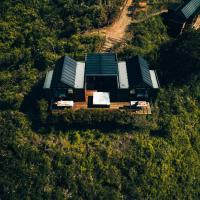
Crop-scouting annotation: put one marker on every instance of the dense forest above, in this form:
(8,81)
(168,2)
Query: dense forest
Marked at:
(98,154)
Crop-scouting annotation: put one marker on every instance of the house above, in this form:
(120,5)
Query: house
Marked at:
(183,16)
(101,81)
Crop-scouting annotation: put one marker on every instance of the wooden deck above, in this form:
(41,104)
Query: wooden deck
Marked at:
(84,105)
(113,105)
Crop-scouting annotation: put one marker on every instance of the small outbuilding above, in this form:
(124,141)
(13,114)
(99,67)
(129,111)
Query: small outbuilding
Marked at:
(182,16)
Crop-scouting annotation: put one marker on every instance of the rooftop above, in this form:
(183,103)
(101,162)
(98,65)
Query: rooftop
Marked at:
(123,76)
(69,73)
(48,79)
(186,10)
(190,8)
(101,64)
(139,74)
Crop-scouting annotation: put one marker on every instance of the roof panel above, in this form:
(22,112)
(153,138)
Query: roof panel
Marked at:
(190,8)
(123,76)
(101,64)
(68,71)
(80,73)
(154,79)
(48,79)
(144,66)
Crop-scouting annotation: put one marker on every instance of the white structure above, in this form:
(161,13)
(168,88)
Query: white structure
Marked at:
(48,79)
(101,98)
(65,103)
(139,103)
(154,79)
(123,76)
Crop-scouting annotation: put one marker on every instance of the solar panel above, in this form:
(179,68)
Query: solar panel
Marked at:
(190,8)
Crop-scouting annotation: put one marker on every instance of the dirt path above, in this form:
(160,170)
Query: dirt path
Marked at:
(116,32)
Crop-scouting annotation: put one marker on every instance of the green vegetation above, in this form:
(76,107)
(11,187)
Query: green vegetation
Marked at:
(94,155)
(147,38)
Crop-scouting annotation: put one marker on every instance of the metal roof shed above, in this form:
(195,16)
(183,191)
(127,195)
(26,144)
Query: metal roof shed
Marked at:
(190,8)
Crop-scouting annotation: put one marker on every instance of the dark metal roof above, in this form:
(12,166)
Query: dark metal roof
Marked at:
(134,73)
(101,64)
(57,74)
(190,8)
(144,67)
(186,10)
(68,73)
(139,74)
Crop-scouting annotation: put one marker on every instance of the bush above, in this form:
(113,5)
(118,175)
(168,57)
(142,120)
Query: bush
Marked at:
(97,118)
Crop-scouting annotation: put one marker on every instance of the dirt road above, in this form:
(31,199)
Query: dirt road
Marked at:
(116,32)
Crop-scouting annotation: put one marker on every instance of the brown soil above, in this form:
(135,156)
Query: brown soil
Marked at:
(117,31)
(197,23)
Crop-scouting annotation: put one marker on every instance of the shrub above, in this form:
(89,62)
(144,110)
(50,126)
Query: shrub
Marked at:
(97,118)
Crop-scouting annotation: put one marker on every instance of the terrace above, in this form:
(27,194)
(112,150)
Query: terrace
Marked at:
(137,107)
